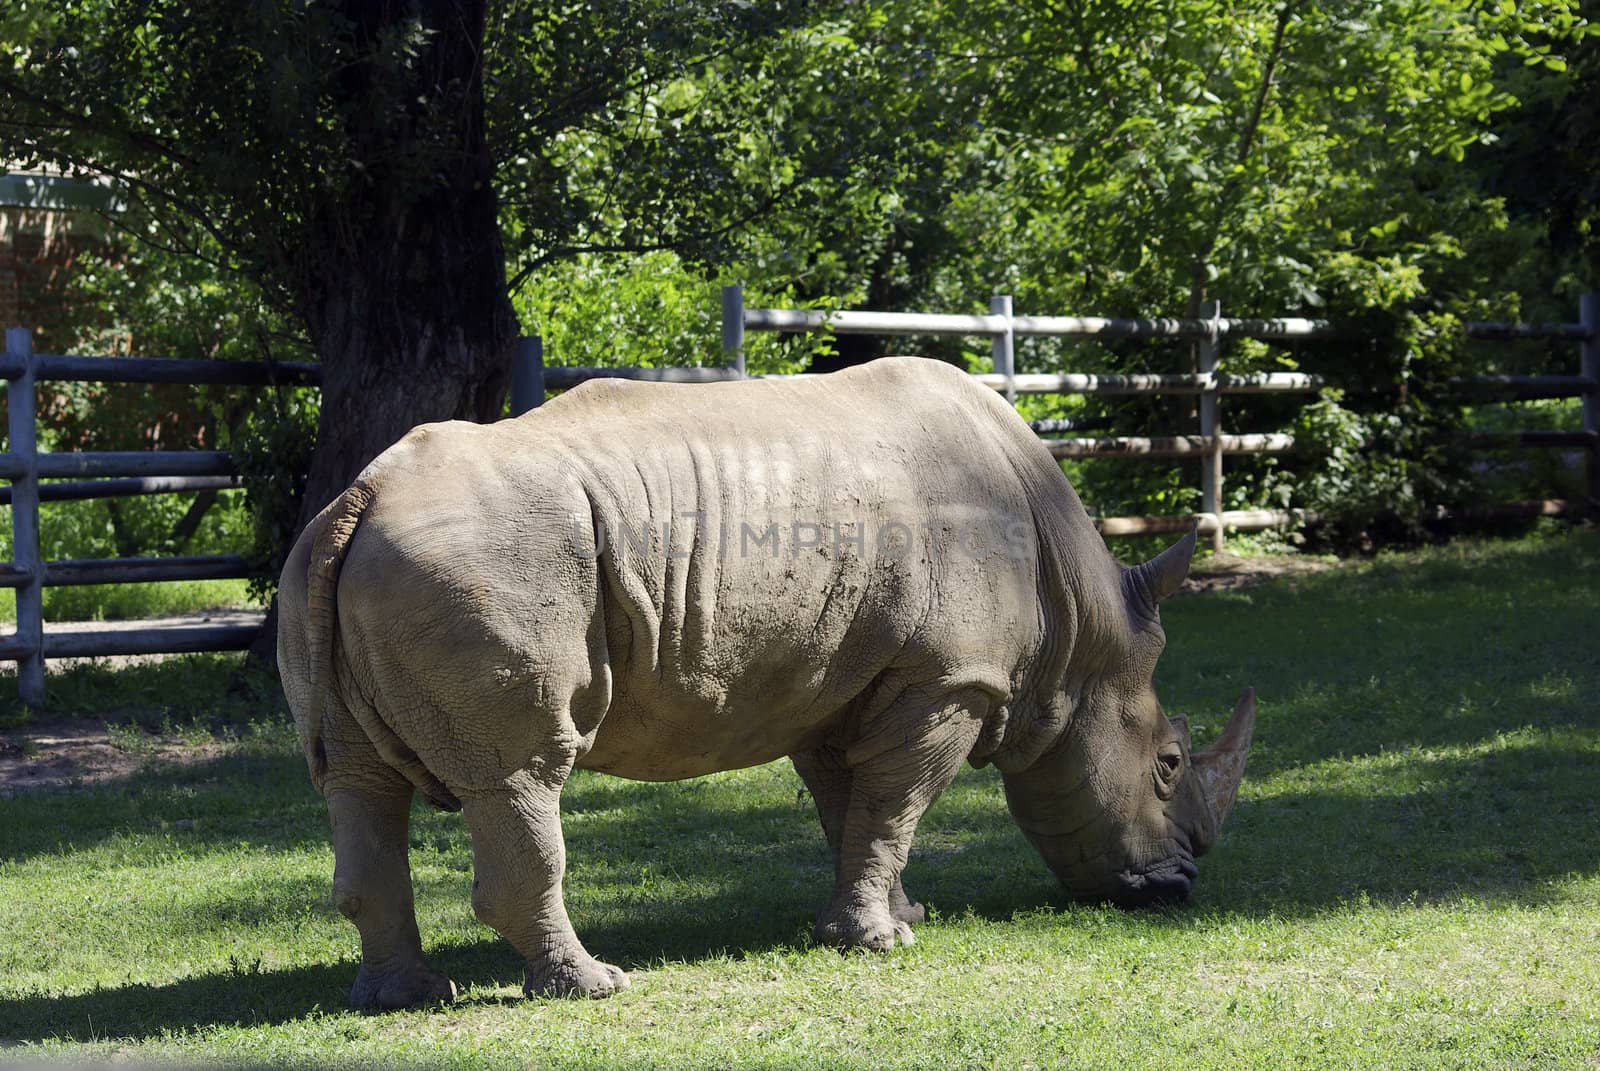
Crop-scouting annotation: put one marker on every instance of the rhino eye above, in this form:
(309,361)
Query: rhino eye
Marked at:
(1170,758)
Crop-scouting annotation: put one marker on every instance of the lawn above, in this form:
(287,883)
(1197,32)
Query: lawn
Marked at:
(1411,878)
(121,602)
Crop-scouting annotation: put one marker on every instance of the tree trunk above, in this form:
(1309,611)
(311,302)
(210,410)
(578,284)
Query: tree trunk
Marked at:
(397,355)
(404,293)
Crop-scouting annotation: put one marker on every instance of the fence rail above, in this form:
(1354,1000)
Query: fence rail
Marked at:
(1202,383)
(1004,327)
(74,571)
(1524,388)
(188,639)
(1209,384)
(999,324)
(157,370)
(1170,446)
(137,485)
(117,473)
(125,473)
(1585,385)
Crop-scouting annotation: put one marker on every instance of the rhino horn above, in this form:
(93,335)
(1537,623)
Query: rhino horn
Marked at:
(1220,767)
(1164,574)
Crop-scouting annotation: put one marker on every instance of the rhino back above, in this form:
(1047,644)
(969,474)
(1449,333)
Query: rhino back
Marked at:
(720,573)
(775,552)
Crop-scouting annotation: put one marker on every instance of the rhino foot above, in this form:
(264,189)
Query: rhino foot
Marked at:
(873,931)
(410,987)
(575,976)
(901,909)
(907,911)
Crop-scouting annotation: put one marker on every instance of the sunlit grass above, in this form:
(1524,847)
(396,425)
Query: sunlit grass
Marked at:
(116,602)
(1411,879)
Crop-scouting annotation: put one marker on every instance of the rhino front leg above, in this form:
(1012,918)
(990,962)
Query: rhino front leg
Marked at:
(372,888)
(827,777)
(907,759)
(518,860)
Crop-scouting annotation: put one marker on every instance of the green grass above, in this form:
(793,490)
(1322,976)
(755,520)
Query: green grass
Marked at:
(1411,879)
(115,602)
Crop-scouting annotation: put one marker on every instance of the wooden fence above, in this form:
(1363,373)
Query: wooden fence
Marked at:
(1585,385)
(99,475)
(117,473)
(1003,326)
(1211,443)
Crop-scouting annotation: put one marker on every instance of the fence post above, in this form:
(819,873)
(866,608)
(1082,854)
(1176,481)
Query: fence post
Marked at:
(1589,316)
(1005,357)
(733,325)
(1211,425)
(25,518)
(527,375)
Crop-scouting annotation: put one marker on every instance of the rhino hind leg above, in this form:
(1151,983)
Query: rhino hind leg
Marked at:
(908,757)
(518,860)
(372,888)
(827,778)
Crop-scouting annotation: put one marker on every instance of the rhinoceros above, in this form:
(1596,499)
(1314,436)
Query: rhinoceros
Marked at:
(879,573)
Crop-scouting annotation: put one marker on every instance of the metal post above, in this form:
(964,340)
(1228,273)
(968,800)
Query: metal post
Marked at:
(1211,426)
(1589,316)
(25,518)
(527,375)
(1005,358)
(733,325)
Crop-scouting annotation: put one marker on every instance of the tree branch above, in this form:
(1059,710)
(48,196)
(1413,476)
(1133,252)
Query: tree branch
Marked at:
(1247,141)
(74,121)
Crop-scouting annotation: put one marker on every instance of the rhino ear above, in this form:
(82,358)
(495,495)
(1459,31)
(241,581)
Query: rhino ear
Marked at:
(1180,725)
(1164,574)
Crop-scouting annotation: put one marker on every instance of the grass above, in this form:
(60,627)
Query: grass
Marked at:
(1411,879)
(115,602)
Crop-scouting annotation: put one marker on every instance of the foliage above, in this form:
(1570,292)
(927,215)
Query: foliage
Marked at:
(86,530)
(1135,158)
(649,310)
(1362,469)
(124,602)
(351,160)
(1544,163)
(272,448)
(1409,880)
(276,131)
(193,694)
(1398,167)
(130,297)
(651,314)
(134,297)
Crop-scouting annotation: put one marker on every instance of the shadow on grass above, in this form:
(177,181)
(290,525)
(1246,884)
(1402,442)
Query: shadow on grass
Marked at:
(1507,822)
(1480,639)
(260,799)
(239,998)
(678,882)
(1426,734)
(209,688)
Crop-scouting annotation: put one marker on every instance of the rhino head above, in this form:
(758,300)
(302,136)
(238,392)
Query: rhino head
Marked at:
(1120,807)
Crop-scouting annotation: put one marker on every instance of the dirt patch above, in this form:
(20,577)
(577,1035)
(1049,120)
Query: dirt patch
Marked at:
(83,752)
(1224,572)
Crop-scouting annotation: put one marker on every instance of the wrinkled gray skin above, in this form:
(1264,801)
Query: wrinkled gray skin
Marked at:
(448,627)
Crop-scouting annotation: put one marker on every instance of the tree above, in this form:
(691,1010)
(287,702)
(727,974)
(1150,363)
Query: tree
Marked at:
(336,154)
(351,157)
(1138,157)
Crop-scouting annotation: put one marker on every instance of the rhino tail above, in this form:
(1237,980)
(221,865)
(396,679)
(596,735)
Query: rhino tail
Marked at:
(332,543)
(328,553)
